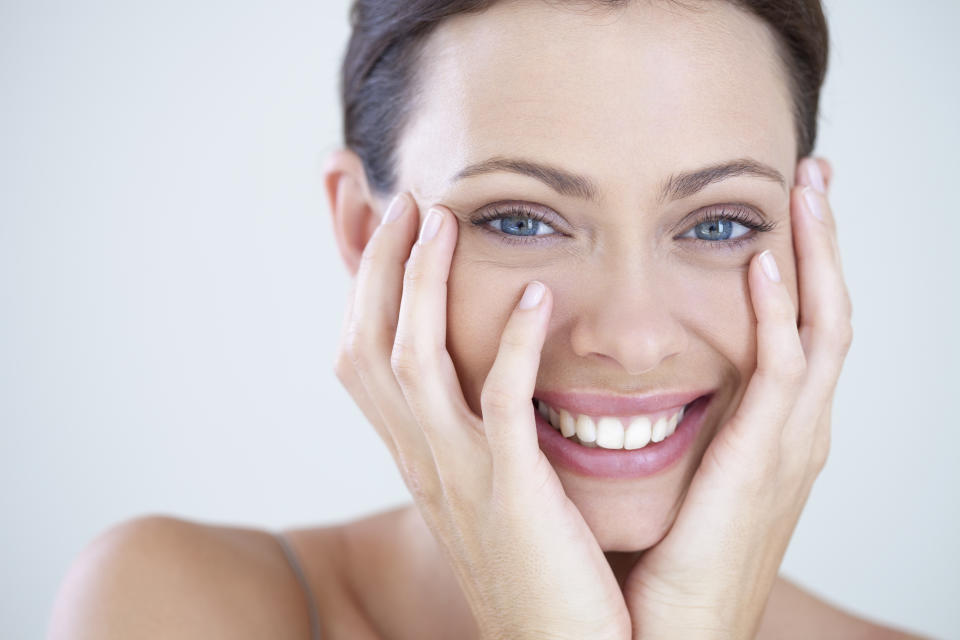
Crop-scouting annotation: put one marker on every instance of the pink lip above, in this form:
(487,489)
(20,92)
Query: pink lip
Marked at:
(593,404)
(598,462)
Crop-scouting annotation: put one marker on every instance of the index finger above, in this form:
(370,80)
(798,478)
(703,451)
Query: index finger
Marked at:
(825,308)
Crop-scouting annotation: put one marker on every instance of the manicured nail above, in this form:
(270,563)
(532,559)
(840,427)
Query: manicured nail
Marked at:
(430,225)
(532,295)
(812,200)
(815,176)
(398,206)
(769,266)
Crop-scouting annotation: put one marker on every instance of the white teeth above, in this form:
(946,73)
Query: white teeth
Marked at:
(568,426)
(543,409)
(659,430)
(610,433)
(638,433)
(672,424)
(586,430)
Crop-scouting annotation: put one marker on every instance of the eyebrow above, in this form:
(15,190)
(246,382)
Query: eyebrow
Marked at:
(682,185)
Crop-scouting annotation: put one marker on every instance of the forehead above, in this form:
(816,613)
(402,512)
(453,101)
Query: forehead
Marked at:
(625,95)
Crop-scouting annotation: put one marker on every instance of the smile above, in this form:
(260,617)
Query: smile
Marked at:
(612,432)
(618,437)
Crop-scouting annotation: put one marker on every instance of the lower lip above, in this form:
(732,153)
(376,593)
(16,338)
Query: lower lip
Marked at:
(598,462)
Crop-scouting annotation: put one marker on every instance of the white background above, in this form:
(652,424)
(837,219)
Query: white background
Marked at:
(171,295)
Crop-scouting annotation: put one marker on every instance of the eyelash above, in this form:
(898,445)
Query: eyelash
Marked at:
(512,211)
(521,211)
(736,215)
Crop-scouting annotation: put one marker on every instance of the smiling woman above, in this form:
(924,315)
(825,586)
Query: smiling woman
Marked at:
(598,320)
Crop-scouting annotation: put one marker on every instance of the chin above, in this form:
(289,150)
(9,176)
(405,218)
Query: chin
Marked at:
(634,514)
(626,518)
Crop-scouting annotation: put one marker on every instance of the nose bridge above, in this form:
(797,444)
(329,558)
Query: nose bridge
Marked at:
(628,314)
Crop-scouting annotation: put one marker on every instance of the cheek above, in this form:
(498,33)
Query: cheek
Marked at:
(715,308)
(480,299)
(713,305)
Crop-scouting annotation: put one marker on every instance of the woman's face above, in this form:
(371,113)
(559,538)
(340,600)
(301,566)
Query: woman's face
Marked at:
(646,301)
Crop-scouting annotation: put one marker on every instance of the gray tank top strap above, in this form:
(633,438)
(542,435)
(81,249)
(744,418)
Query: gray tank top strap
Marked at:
(294,562)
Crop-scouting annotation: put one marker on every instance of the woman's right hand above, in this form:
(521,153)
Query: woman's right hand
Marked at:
(526,560)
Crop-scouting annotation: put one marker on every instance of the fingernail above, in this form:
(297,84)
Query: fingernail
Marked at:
(430,225)
(398,206)
(812,200)
(532,295)
(769,266)
(815,176)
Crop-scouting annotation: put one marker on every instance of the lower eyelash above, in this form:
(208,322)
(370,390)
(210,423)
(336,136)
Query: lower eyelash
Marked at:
(731,245)
(517,212)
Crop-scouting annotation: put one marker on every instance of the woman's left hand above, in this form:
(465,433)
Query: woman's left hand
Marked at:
(711,575)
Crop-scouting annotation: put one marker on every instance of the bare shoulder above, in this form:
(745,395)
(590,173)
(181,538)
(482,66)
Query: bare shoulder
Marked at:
(794,613)
(163,577)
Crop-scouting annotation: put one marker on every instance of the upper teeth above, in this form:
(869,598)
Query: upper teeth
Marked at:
(625,432)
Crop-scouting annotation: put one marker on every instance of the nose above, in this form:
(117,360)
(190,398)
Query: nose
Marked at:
(628,318)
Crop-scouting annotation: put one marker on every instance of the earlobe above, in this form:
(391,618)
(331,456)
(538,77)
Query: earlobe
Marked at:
(354,212)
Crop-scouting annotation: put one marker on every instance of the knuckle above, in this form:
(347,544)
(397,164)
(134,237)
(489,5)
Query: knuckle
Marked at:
(496,398)
(784,314)
(415,272)
(404,362)
(820,451)
(370,256)
(792,368)
(343,366)
(845,336)
(514,340)
(356,346)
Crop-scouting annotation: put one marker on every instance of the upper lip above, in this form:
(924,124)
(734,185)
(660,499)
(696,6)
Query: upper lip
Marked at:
(597,404)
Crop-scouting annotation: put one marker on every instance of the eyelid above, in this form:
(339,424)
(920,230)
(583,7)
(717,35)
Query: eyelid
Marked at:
(736,212)
(746,214)
(516,207)
(520,209)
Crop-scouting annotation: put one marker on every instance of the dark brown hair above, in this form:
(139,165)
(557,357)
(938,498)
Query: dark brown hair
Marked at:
(378,74)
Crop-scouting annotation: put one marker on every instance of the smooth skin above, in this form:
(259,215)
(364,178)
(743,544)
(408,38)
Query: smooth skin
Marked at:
(160,577)
(443,362)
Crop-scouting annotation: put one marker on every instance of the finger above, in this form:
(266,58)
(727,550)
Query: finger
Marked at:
(825,310)
(781,364)
(819,176)
(371,334)
(346,372)
(826,170)
(508,418)
(419,359)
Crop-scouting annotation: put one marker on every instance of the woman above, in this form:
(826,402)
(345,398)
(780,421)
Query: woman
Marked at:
(604,361)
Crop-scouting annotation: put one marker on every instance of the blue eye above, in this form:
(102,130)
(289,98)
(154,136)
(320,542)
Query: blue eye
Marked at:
(716,230)
(517,223)
(521,226)
(729,227)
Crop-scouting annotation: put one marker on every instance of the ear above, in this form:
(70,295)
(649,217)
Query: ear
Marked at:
(355,212)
